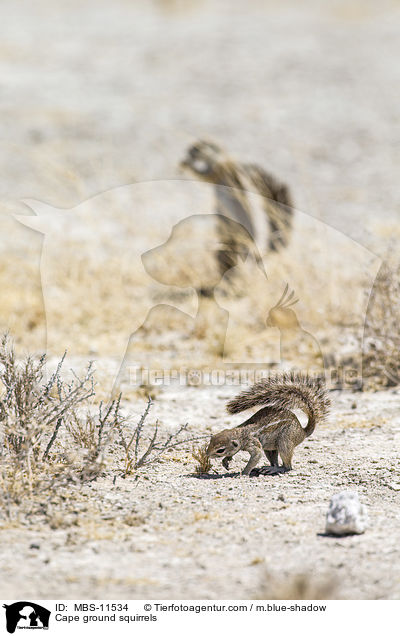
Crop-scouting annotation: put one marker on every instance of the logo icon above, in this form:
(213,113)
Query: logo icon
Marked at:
(26,615)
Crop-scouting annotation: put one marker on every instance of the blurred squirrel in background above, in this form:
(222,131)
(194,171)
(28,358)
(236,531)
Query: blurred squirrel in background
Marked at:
(208,162)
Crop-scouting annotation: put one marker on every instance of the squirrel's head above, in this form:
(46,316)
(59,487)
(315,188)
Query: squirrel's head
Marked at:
(202,159)
(223,444)
(281,315)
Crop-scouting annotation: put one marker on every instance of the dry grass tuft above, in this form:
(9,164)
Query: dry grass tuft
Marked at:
(203,465)
(298,587)
(146,390)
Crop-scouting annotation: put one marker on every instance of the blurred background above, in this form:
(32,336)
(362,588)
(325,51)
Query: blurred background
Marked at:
(96,95)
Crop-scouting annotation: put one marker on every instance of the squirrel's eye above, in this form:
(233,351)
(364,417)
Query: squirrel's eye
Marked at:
(220,451)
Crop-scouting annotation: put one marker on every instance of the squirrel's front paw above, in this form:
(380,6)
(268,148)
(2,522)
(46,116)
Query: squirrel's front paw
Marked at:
(226,462)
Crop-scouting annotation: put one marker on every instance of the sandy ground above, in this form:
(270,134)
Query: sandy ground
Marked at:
(165,533)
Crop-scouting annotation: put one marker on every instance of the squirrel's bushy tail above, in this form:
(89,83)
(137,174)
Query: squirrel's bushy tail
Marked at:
(287,391)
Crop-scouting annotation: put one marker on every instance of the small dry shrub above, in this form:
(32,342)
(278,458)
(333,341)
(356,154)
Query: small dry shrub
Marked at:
(203,465)
(381,346)
(94,431)
(142,451)
(51,444)
(32,411)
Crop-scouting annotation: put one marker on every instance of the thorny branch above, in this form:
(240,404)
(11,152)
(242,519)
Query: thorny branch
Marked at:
(154,449)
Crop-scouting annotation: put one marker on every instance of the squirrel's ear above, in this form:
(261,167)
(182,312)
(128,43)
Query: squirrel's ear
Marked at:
(235,443)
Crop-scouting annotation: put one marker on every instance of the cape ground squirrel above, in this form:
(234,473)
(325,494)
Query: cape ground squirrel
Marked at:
(274,428)
(208,162)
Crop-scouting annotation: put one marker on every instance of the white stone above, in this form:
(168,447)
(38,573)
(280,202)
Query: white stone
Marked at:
(346,515)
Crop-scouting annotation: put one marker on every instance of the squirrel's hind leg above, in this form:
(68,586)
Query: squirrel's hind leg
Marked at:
(272,456)
(286,456)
